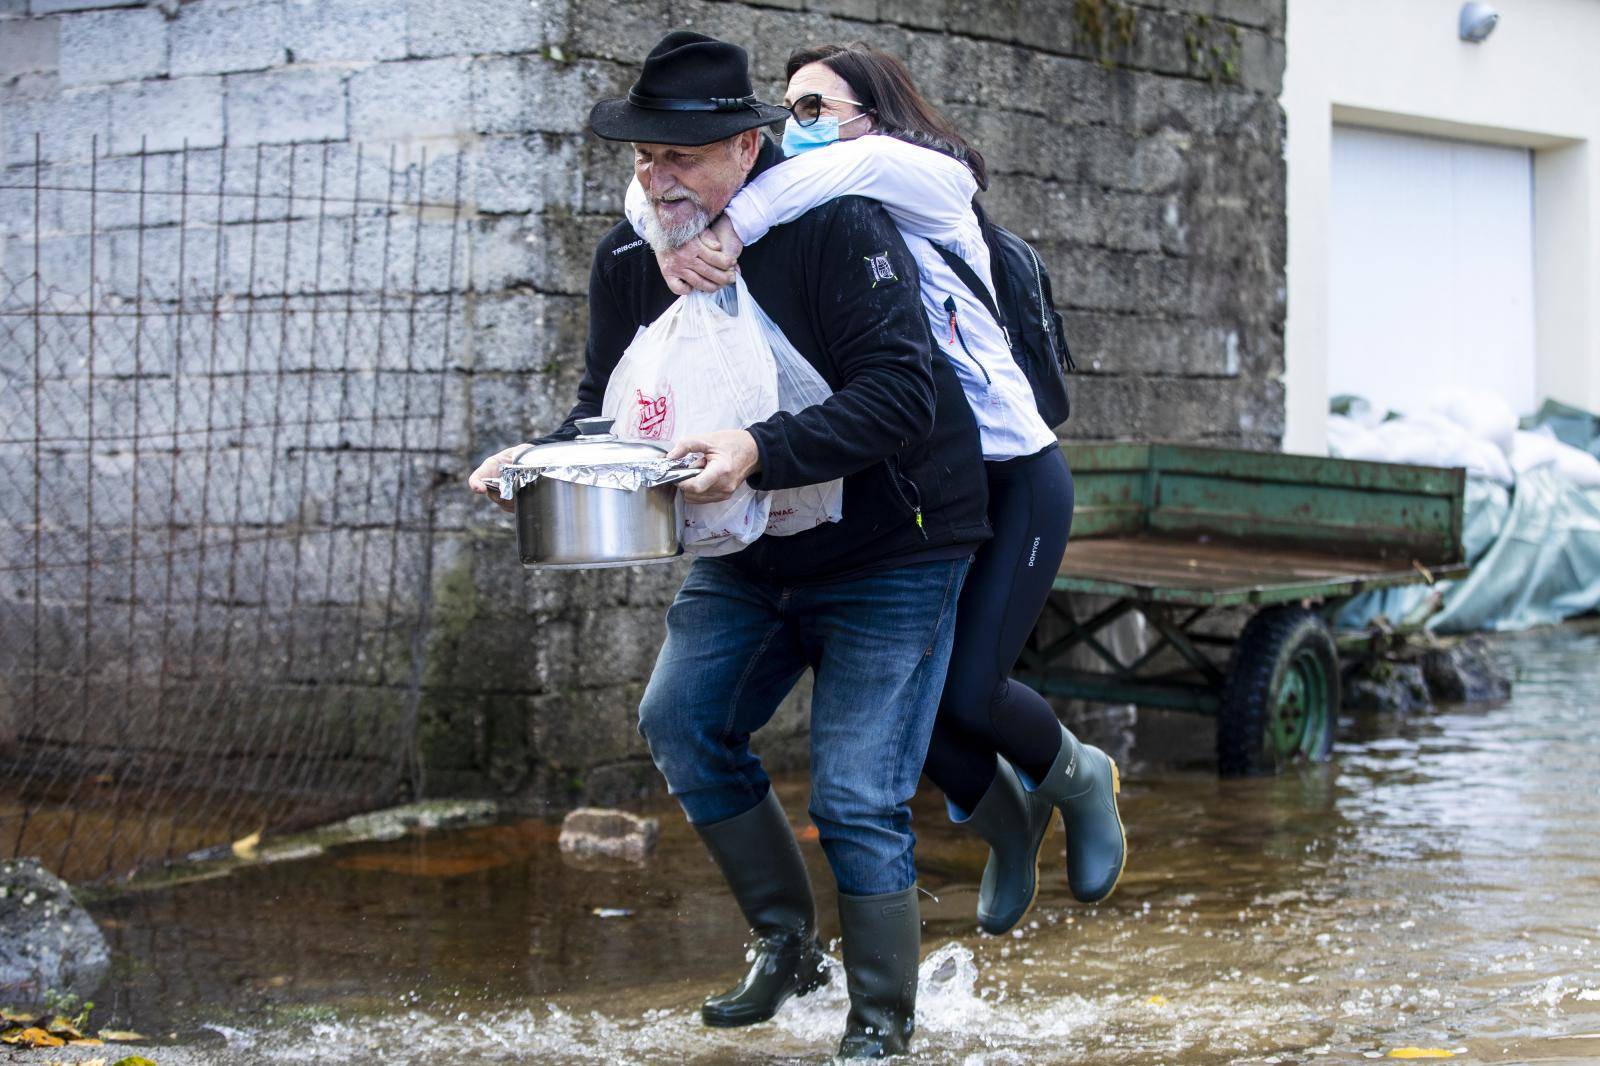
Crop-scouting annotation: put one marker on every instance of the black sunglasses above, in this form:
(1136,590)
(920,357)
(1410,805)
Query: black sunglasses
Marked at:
(808,108)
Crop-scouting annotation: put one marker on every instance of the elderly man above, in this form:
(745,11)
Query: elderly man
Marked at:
(868,603)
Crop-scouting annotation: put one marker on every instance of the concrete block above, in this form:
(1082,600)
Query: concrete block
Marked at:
(862,10)
(626,32)
(214,37)
(106,46)
(916,13)
(519,94)
(483,26)
(67,122)
(588,727)
(164,115)
(320,30)
(50,7)
(508,332)
(411,99)
(28,46)
(1130,344)
(285,105)
(1107,408)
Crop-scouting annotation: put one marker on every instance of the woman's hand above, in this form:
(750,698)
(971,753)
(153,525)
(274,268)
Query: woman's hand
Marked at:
(704,264)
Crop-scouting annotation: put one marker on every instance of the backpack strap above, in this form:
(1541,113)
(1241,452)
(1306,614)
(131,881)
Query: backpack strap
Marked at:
(969,277)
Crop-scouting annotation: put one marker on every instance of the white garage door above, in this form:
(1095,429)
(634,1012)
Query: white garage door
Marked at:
(1432,273)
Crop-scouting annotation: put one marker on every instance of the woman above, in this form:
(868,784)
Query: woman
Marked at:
(859,127)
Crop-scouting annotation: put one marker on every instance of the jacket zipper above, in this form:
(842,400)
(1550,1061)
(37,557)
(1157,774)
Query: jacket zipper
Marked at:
(957,335)
(1044,313)
(895,479)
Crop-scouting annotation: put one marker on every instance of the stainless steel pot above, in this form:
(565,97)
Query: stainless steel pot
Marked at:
(596,501)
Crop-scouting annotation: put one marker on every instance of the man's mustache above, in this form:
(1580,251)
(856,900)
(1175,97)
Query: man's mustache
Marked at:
(677,195)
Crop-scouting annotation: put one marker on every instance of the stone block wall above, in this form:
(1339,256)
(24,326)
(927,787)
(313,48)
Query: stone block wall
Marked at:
(1137,143)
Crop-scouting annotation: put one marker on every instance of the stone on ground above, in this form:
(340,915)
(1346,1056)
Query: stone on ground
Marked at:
(48,942)
(1465,672)
(597,832)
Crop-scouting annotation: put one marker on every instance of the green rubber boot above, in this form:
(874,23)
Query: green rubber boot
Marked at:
(881,936)
(1083,783)
(757,853)
(1014,821)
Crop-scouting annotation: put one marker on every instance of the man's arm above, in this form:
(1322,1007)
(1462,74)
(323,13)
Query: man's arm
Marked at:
(862,296)
(611,330)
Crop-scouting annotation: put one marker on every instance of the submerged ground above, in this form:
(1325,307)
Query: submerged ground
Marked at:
(1436,887)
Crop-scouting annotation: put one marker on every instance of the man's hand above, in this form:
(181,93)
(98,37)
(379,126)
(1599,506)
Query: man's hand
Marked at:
(705,264)
(490,467)
(730,457)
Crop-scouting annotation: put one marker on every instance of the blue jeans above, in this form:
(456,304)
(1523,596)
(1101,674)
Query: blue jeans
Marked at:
(878,646)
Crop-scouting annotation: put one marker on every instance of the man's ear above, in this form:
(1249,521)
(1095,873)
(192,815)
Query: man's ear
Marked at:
(746,146)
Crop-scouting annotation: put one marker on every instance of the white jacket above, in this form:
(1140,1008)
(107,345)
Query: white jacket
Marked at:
(929,197)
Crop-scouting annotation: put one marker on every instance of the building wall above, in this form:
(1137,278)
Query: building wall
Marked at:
(1402,66)
(1139,145)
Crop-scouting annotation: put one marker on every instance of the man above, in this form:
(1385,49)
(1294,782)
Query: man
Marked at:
(867,603)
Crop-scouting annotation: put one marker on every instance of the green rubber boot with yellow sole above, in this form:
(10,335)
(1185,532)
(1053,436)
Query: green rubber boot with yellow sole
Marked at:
(1014,822)
(1083,785)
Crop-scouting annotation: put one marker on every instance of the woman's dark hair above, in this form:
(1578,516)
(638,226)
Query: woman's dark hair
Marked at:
(883,86)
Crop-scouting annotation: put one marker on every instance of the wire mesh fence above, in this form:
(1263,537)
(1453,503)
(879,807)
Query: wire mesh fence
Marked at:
(224,387)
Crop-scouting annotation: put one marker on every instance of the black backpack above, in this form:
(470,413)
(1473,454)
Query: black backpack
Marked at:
(1027,314)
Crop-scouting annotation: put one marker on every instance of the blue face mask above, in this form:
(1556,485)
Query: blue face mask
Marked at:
(821,133)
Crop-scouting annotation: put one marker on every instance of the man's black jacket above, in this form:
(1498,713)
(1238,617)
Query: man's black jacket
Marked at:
(841,285)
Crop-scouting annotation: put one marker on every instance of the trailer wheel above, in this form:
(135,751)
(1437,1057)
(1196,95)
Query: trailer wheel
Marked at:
(1281,696)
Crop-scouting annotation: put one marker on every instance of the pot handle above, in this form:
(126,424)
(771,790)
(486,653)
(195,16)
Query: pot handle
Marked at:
(682,469)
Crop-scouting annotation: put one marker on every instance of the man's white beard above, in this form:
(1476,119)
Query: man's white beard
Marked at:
(664,237)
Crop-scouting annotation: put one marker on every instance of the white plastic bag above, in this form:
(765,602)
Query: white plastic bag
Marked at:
(799,386)
(715,361)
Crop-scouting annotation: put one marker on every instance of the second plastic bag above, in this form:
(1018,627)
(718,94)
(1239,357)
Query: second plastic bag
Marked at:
(716,361)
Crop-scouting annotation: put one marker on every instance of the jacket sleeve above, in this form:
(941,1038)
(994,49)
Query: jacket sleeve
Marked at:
(610,332)
(861,295)
(927,193)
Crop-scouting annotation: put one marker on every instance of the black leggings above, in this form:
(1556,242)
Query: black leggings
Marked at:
(983,711)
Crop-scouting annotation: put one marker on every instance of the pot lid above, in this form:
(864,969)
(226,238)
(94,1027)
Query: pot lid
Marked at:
(595,445)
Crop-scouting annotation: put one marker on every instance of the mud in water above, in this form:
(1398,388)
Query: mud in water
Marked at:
(1436,887)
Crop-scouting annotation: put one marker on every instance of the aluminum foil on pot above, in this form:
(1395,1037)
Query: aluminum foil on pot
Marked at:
(627,477)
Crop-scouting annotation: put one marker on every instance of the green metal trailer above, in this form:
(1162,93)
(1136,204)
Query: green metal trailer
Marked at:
(1180,532)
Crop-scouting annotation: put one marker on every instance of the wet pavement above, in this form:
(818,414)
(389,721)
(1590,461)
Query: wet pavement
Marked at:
(1436,887)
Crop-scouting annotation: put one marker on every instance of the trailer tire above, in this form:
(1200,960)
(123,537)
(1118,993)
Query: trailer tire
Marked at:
(1280,700)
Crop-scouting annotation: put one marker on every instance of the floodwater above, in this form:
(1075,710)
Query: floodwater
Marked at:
(1436,887)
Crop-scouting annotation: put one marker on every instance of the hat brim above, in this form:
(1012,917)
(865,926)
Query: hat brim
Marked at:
(619,120)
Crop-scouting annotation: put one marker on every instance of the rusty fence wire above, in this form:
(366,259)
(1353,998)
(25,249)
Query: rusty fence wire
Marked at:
(224,382)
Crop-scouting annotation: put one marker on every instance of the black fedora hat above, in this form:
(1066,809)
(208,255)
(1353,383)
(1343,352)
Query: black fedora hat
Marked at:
(693,90)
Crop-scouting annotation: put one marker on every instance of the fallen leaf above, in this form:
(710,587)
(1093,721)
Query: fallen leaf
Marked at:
(134,1060)
(1421,1053)
(9,1015)
(87,1041)
(1157,1000)
(245,848)
(121,1035)
(37,1037)
(62,1027)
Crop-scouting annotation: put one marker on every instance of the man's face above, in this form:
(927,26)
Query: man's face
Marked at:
(688,187)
